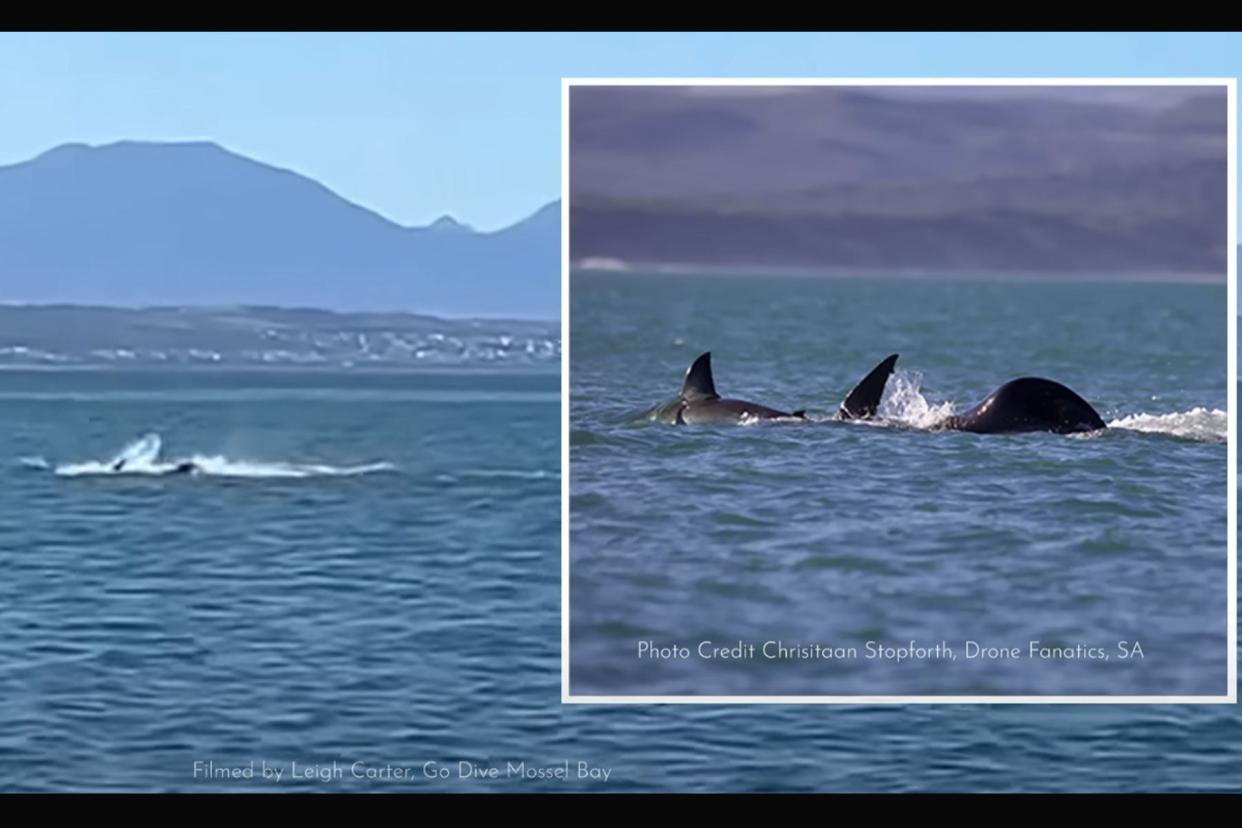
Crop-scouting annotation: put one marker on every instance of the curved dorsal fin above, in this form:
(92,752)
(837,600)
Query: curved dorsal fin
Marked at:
(698,384)
(863,401)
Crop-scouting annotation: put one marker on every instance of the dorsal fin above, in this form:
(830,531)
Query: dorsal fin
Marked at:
(698,384)
(863,401)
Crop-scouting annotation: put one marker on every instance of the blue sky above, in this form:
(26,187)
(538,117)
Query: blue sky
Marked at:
(417,125)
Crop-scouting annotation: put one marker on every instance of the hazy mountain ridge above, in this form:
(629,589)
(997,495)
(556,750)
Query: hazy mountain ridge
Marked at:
(136,223)
(841,177)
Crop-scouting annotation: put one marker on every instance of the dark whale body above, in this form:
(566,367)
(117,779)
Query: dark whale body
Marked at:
(1021,405)
(1028,404)
(698,402)
(184,467)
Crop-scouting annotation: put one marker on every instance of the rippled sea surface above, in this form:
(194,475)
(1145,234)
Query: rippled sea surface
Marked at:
(147,623)
(902,552)
(363,564)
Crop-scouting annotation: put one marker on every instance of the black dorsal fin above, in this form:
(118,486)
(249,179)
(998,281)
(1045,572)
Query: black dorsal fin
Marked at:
(863,401)
(698,384)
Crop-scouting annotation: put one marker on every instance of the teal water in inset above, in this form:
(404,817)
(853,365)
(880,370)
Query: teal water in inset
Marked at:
(897,560)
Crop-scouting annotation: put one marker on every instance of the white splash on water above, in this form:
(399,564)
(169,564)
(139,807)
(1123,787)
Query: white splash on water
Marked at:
(142,457)
(748,419)
(520,474)
(1201,424)
(466,476)
(142,452)
(903,402)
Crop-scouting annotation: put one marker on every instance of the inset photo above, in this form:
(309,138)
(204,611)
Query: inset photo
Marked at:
(899,390)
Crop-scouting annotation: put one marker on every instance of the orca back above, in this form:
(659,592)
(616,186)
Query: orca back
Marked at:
(1029,404)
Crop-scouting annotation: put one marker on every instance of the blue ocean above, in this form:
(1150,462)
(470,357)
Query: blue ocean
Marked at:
(888,558)
(361,569)
(359,586)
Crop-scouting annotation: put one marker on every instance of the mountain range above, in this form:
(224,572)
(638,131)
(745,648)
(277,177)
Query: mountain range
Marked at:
(194,224)
(1037,179)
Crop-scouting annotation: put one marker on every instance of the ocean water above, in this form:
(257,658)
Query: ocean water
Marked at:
(405,616)
(831,558)
(360,567)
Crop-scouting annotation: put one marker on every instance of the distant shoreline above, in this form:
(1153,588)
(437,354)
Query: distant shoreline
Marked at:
(265,336)
(637,268)
(548,369)
(423,316)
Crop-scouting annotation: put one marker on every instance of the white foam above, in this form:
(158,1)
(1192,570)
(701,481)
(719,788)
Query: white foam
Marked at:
(520,474)
(219,466)
(226,467)
(142,458)
(1201,424)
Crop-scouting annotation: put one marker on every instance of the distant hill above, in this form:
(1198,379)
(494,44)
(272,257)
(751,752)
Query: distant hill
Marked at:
(137,224)
(1128,180)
